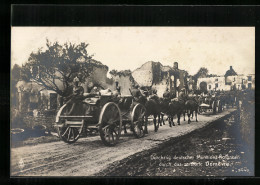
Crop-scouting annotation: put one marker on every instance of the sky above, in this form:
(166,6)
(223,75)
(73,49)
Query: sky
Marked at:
(121,48)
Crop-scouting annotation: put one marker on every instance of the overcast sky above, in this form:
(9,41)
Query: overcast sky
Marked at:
(123,48)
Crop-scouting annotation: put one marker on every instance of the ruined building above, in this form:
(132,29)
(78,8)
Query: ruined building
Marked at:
(230,81)
(124,79)
(155,75)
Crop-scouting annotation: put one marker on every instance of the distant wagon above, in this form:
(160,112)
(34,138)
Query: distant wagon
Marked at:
(213,104)
(107,113)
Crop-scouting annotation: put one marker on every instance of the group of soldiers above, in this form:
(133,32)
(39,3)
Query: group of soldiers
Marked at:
(140,94)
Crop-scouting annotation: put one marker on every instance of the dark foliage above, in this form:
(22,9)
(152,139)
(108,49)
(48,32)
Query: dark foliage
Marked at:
(57,66)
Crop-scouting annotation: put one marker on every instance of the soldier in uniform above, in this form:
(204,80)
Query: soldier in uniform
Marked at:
(193,96)
(182,96)
(118,88)
(167,94)
(77,94)
(154,96)
(137,95)
(94,90)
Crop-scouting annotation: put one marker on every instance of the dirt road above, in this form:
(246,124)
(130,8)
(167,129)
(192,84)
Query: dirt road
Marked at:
(88,156)
(215,150)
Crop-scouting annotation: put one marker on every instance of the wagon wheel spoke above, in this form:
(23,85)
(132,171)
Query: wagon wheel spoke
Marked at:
(73,133)
(116,133)
(69,133)
(105,130)
(142,111)
(114,122)
(141,115)
(109,136)
(65,131)
(116,129)
(138,124)
(112,136)
(135,124)
(140,130)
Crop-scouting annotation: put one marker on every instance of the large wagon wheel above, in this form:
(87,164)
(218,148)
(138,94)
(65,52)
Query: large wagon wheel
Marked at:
(218,108)
(138,120)
(110,124)
(70,133)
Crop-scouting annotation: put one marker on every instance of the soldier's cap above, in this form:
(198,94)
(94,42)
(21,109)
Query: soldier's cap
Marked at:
(76,79)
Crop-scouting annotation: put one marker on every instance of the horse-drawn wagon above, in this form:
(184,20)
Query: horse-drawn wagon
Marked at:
(107,113)
(212,104)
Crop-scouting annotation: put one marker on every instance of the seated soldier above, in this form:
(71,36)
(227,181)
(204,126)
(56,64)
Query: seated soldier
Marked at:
(194,97)
(154,96)
(182,96)
(116,96)
(137,95)
(94,90)
(77,94)
(144,91)
(167,94)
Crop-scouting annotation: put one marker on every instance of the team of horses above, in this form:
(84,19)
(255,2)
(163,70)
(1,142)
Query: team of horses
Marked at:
(160,107)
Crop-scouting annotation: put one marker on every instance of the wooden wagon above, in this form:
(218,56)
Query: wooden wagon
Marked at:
(107,113)
(212,104)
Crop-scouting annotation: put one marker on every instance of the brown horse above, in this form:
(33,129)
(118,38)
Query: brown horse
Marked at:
(176,107)
(152,108)
(171,108)
(191,106)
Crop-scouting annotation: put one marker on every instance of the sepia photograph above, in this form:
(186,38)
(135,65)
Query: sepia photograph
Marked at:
(132,101)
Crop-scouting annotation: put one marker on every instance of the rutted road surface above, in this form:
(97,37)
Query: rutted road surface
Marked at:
(88,156)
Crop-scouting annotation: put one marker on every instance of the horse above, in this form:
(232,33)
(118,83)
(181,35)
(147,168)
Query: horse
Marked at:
(153,108)
(171,108)
(164,104)
(176,107)
(190,106)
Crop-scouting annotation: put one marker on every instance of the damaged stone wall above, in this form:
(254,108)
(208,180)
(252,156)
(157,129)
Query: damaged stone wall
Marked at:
(143,75)
(157,76)
(98,78)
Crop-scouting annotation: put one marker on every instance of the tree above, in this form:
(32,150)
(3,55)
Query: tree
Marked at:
(15,77)
(15,73)
(57,66)
(202,73)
